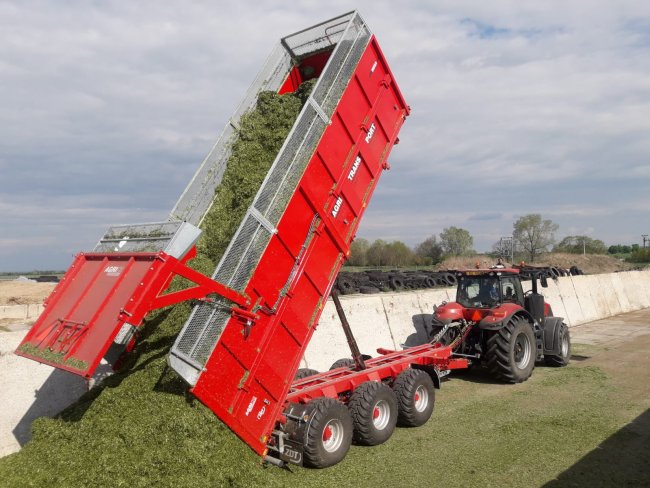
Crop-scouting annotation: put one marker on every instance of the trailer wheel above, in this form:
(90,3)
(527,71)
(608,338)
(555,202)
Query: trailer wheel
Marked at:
(373,406)
(565,349)
(304,373)
(342,363)
(511,351)
(328,434)
(415,397)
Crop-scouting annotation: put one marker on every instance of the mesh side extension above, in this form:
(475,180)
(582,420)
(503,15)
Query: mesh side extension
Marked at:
(202,330)
(175,238)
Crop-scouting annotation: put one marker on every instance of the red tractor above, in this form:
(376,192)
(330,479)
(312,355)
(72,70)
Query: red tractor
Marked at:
(495,324)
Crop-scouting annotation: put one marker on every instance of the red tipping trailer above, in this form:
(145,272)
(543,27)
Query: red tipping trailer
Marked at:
(241,346)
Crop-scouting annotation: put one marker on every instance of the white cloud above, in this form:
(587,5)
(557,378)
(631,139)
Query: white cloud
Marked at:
(109,107)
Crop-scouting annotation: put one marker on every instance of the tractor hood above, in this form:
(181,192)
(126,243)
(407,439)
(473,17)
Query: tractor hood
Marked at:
(488,318)
(448,312)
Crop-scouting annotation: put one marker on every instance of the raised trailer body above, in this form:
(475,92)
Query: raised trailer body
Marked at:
(242,344)
(252,364)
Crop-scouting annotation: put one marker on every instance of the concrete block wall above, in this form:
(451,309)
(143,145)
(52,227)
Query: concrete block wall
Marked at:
(23,313)
(395,320)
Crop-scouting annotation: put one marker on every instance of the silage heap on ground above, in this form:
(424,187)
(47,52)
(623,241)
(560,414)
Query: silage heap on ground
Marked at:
(139,428)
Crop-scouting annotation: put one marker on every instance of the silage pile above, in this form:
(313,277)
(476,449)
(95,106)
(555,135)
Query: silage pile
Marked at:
(140,428)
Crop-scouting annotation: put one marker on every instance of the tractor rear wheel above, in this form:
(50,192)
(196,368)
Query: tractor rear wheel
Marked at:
(565,349)
(328,434)
(511,351)
(304,373)
(373,407)
(415,397)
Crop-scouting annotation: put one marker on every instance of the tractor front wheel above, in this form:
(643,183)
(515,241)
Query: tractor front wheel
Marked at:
(511,351)
(565,349)
(328,434)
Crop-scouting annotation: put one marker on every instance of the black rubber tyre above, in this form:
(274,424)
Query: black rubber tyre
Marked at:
(415,397)
(345,286)
(328,433)
(450,279)
(373,407)
(565,349)
(341,363)
(304,373)
(396,283)
(368,290)
(429,282)
(511,351)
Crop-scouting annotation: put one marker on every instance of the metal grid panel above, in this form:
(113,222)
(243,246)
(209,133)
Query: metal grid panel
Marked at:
(317,37)
(149,237)
(202,330)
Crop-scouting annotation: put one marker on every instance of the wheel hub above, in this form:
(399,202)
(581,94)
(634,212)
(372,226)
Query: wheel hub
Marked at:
(381,415)
(421,398)
(333,434)
(522,351)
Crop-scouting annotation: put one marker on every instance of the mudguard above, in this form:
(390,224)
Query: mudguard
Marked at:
(491,322)
(552,328)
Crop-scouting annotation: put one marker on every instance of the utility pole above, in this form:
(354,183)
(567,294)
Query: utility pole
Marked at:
(508,248)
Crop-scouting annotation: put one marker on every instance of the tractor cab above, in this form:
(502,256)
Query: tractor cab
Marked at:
(489,288)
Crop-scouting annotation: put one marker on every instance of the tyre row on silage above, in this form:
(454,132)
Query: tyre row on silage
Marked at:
(375,281)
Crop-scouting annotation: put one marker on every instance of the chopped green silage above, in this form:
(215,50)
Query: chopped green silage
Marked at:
(53,357)
(261,135)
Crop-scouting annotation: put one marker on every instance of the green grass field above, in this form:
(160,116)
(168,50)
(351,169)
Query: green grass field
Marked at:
(140,429)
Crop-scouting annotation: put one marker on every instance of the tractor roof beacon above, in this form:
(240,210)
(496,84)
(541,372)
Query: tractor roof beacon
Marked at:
(495,324)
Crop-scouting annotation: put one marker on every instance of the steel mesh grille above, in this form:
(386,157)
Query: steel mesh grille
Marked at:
(202,330)
(318,37)
(148,237)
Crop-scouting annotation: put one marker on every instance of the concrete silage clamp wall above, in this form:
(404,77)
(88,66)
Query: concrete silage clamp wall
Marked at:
(395,320)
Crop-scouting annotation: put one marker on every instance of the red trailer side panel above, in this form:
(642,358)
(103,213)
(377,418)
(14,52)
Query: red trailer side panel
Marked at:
(83,314)
(248,375)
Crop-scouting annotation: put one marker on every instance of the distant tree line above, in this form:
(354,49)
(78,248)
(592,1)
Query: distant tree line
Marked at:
(453,241)
(622,249)
(532,235)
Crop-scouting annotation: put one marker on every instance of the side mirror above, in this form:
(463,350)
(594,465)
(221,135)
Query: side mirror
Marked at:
(543,281)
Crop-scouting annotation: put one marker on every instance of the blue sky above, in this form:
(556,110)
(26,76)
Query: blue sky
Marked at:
(107,108)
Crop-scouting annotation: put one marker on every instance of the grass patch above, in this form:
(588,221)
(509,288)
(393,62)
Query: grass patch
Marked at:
(481,434)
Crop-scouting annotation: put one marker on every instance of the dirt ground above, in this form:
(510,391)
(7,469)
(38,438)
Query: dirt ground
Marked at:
(589,264)
(24,292)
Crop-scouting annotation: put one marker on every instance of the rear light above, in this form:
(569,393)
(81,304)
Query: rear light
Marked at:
(499,314)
